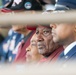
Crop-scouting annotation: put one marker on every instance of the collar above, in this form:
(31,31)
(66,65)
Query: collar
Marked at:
(69,47)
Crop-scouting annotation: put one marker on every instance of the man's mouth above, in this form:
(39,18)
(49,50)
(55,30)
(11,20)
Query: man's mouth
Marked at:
(40,46)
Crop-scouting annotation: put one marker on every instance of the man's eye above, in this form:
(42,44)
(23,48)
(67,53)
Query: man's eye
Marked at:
(46,33)
(37,32)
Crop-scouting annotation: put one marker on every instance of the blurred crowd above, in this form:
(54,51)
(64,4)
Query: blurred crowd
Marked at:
(53,43)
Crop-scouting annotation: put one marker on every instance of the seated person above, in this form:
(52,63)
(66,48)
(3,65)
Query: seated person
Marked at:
(9,47)
(22,51)
(21,55)
(45,44)
(34,5)
(67,39)
(9,44)
(32,55)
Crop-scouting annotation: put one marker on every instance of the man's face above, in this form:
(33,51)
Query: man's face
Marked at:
(62,32)
(32,51)
(45,42)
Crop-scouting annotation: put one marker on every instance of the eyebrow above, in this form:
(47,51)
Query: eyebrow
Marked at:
(44,28)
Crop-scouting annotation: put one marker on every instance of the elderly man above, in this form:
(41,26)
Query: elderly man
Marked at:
(65,33)
(32,54)
(45,44)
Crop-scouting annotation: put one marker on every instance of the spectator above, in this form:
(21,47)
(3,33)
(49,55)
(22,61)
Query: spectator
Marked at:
(21,5)
(32,54)
(9,44)
(3,2)
(67,39)
(9,48)
(20,57)
(45,44)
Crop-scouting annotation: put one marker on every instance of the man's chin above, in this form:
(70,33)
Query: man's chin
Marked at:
(41,51)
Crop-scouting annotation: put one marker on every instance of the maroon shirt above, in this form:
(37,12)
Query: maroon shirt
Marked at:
(53,57)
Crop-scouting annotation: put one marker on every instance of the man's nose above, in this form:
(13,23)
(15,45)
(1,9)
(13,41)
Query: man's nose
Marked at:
(39,37)
(53,26)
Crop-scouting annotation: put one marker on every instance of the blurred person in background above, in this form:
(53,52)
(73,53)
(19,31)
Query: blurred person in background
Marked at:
(3,3)
(9,44)
(18,51)
(33,6)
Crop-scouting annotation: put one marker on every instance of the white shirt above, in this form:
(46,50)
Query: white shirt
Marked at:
(69,47)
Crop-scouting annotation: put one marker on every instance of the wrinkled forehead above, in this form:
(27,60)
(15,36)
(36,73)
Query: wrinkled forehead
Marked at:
(41,27)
